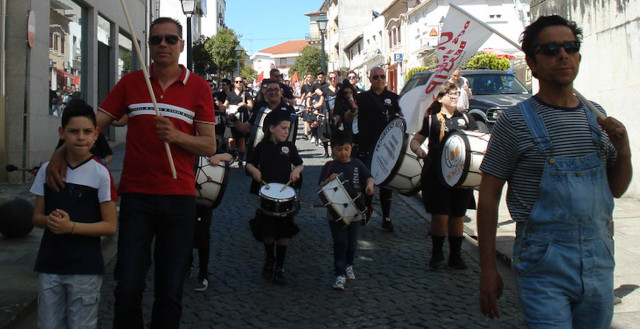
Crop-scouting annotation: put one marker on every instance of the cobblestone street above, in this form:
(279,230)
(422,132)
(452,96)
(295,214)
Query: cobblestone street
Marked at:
(394,287)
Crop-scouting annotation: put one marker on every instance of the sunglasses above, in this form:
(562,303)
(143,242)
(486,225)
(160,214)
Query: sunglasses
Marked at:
(379,76)
(237,82)
(553,48)
(333,78)
(171,39)
(352,77)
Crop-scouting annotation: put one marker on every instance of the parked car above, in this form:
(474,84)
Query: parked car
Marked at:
(492,91)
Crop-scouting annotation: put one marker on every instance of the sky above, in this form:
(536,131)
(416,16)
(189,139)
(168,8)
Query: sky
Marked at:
(266,23)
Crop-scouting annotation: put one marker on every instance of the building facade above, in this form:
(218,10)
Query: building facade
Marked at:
(85,43)
(281,56)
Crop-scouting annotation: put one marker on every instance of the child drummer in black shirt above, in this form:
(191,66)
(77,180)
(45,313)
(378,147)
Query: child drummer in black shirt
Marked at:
(345,237)
(275,160)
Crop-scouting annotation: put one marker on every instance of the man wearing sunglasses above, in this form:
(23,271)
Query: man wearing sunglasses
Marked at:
(564,167)
(376,108)
(154,206)
(287,92)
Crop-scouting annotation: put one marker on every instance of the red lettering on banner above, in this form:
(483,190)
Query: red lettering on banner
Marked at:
(448,35)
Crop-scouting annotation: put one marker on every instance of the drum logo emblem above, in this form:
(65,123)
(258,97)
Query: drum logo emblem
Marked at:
(285,150)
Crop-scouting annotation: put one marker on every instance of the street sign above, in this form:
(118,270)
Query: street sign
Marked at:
(31,28)
(397,57)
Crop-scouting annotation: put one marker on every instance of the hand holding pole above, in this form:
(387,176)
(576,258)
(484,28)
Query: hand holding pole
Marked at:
(146,79)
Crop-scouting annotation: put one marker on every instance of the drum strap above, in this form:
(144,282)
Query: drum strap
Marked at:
(329,169)
(443,125)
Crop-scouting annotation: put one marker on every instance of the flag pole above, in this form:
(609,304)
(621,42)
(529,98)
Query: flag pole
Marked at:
(146,79)
(593,109)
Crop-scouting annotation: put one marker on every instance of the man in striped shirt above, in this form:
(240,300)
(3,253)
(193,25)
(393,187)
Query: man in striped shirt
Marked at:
(563,167)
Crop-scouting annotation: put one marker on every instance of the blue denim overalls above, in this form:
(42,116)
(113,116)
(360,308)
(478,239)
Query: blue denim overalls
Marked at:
(563,255)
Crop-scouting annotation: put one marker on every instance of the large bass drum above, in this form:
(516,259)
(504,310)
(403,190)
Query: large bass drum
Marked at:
(462,154)
(211,182)
(393,164)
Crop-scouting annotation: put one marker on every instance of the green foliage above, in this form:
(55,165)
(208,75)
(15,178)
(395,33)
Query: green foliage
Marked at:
(414,71)
(487,61)
(221,49)
(202,62)
(248,72)
(309,61)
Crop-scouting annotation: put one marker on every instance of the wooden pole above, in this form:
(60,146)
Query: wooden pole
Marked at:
(146,79)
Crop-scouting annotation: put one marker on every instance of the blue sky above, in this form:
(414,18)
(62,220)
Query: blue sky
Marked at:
(266,23)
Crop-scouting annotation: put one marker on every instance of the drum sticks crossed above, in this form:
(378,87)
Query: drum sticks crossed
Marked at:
(146,79)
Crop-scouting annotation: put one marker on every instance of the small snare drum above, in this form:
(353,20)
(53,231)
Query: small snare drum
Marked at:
(342,201)
(276,199)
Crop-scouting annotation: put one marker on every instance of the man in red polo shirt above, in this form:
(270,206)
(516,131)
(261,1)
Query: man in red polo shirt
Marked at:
(153,204)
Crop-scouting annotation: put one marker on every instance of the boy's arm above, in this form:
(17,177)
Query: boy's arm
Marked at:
(370,188)
(39,218)
(59,222)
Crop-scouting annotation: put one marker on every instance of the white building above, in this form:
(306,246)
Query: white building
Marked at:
(281,56)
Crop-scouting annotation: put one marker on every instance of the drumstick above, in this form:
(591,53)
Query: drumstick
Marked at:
(285,186)
(266,184)
(146,79)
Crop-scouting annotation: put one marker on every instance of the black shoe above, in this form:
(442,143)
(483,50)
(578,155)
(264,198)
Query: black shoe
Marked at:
(367,217)
(305,137)
(278,276)
(435,261)
(387,225)
(326,155)
(457,263)
(267,270)
(240,164)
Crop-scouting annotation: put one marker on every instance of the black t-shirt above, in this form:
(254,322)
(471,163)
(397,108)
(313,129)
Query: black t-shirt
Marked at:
(287,92)
(275,161)
(235,99)
(374,113)
(458,121)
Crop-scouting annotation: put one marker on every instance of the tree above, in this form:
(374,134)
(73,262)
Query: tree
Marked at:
(221,49)
(248,72)
(309,61)
(202,61)
(487,61)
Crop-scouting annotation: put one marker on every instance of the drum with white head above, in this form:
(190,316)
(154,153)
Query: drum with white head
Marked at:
(211,182)
(277,199)
(462,154)
(393,164)
(342,201)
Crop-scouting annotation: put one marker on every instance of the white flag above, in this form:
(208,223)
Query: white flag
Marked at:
(460,38)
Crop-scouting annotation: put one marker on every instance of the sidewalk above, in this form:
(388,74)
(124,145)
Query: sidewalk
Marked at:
(18,281)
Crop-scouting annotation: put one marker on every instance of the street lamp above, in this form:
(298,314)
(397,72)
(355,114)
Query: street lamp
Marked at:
(188,8)
(322,27)
(238,50)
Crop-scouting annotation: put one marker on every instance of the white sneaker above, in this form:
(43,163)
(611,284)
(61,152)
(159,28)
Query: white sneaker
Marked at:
(202,285)
(350,274)
(340,281)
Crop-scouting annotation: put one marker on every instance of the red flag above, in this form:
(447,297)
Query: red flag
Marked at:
(261,76)
(294,78)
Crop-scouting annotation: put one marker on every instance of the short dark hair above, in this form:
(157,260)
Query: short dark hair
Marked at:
(162,20)
(529,38)
(321,72)
(227,81)
(339,138)
(78,108)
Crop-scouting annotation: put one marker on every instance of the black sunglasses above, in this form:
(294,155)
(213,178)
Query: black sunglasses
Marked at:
(171,39)
(351,77)
(553,48)
(379,76)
